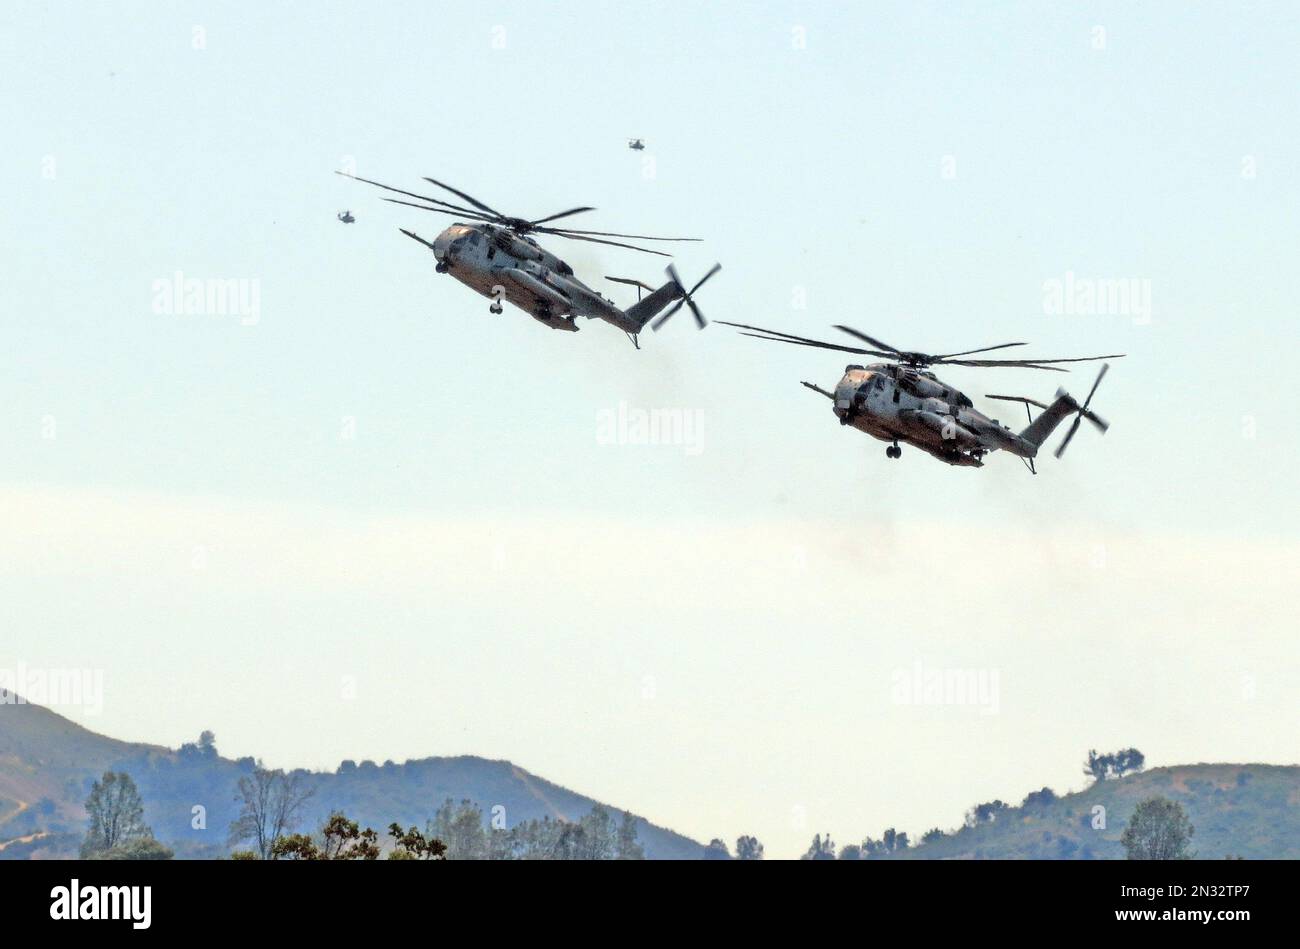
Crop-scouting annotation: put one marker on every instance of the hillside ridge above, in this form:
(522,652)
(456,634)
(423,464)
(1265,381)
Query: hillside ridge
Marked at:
(47,764)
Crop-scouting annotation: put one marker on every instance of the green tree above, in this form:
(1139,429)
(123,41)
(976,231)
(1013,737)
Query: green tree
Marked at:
(1097,766)
(139,848)
(820,849)
(1128,761)
(748,848)
(1114,765)
(627,846)
(413,845)
(460,827)
(1158,830)
(272,802)
(717,850)
(1039,798)
(891,841)
(116,815)
(599,838)
(205,747)
(985,813)
(341,839)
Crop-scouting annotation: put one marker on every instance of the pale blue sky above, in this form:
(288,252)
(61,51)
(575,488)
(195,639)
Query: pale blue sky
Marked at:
(131,154)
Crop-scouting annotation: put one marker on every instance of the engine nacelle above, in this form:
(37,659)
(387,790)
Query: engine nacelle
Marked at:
(949,428)
(538,288)
(516,246)
(925,387)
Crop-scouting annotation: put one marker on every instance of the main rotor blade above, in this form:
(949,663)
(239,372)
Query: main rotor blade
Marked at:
(465,215)
(867,339)
(1041,362)
(1068,435)
(799,342)
(778,337)
(409,194)
(814,345)
(596,240)
(998,364)
(554,217)
(986,349)
(635,237)
(1027,362)
(472,200)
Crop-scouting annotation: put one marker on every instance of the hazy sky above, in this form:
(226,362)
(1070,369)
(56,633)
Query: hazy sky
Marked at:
(372,520)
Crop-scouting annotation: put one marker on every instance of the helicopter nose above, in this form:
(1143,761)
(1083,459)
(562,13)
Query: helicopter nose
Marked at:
(442,244)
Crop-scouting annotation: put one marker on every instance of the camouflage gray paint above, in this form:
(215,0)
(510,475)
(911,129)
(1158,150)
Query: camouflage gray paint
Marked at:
(494,255)
(903,405)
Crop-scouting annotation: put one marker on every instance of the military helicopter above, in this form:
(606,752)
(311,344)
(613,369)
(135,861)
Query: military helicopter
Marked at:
(346,217)
(901,401)
(493,254)
(636,144)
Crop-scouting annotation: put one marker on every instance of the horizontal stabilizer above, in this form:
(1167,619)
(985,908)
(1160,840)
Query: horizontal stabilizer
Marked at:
(1017,398)
(631,282)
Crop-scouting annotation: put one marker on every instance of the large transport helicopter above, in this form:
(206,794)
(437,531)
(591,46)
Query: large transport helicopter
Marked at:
(901,401)
(493,254)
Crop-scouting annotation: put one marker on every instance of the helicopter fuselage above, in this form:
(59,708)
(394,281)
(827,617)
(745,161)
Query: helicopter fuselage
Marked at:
(897,403)
(512,268)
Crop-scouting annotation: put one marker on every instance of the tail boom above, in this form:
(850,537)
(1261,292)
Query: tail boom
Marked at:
(1041,428)
(647,308)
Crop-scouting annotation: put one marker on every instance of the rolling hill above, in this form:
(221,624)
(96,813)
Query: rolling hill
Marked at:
(48,763)
(1240,810)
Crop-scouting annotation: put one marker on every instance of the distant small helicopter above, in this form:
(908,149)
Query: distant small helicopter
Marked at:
(900,401)
(494,255)
(636,144)
(346,217)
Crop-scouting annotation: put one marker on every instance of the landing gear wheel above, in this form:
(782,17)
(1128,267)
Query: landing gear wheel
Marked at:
(441,268)
(496,308)
(893,451)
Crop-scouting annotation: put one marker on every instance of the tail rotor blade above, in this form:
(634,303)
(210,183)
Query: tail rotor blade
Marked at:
(675,277)
(1068,435)
(715,269)
(686,298)
(700,321)
(1082,412)
(1101,375)
(667,315)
